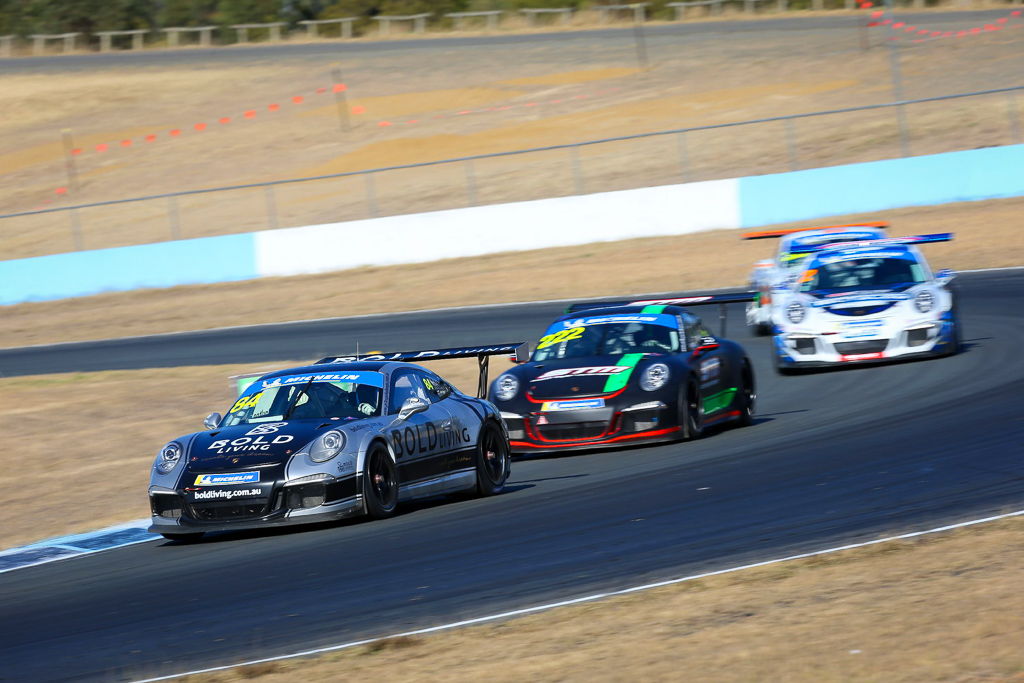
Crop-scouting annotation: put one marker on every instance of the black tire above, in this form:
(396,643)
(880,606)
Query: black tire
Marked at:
(182,538)
(957,334)
(380,482)
(691,410)
(746,396)
(493,460)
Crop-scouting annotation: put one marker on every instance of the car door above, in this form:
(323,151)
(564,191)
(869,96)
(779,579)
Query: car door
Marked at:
(460,428)
(418,442)
(711,365)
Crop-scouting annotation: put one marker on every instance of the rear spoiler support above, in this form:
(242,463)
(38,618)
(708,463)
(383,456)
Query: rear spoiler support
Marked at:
(481,353)
(685,301)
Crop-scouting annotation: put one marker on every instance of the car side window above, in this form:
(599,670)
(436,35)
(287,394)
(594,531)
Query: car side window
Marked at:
(404,385)
(693,331)
(436,388)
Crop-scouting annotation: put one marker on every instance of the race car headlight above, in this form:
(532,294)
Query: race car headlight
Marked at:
(327,446)
(168,458)
(654,377)
(924,301)
(506,387)
(795,313)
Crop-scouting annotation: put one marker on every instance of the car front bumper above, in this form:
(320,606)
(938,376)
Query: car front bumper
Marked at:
(811,348)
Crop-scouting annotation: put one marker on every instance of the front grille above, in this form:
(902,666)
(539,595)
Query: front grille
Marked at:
(805,345)
(864,346)
(226,510)
(867,309)
(165,505)
(918,337)
(572,430)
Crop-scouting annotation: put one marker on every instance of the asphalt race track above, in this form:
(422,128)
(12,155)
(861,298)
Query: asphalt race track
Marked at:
(834,457)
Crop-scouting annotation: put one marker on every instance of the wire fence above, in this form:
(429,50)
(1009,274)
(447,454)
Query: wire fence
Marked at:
(534,173)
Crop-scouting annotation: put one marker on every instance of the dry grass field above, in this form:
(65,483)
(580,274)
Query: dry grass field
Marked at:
(942,608)
(448,102)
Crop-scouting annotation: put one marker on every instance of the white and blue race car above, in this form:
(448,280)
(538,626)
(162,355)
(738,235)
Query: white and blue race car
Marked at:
(869,301)
(778,272)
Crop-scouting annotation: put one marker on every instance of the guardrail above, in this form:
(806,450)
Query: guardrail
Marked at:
(471,186)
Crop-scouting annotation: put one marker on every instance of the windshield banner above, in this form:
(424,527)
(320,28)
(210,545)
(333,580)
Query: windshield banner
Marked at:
(663,319)
(374,379)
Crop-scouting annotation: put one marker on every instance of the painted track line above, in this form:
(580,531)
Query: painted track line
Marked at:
(587,598)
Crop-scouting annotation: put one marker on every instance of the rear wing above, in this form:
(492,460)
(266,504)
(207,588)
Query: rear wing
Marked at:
(886,242)
(771,234)
(482,353)
(695,300)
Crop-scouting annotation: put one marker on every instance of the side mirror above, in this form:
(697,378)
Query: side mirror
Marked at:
(212,421)
(944,277)
(412,405)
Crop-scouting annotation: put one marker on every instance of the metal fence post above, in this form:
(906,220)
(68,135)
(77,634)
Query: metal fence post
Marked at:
(684,156)
(1011,106)
(794,157)
(174,218)
(577,170)
(76,229)
(371,194)
(470,182)
(268,194)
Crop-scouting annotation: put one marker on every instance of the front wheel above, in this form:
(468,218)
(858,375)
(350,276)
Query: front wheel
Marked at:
(691,411)
(493,460)
(380,483)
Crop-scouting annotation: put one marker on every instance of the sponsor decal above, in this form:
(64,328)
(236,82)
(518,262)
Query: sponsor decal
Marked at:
(582,404)
(858,298)
(246,444)
(427,438)
(863,356)
(710,369)
(413,355)
(226,479)
(678,300)
(226,494)
(861,328)
(574,372)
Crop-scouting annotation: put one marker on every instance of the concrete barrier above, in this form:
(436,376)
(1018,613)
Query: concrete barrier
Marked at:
(165,264)
(970,175)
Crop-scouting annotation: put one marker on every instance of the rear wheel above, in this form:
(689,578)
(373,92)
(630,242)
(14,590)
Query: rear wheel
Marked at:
(746,395)
(493,460)
(380,483)
(691,411)
(183,538)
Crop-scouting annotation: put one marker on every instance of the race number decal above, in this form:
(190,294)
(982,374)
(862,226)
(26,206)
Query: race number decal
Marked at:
(246,402)
(559,337)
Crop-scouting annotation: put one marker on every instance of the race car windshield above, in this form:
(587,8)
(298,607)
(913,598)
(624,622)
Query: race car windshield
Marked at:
(299,397)
(850,274)
(606,338)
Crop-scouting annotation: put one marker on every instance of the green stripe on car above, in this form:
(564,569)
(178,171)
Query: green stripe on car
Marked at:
(719,401)
(617,381)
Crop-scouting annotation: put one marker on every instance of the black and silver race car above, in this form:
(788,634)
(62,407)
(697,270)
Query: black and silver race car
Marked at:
(342,437)
(626,373)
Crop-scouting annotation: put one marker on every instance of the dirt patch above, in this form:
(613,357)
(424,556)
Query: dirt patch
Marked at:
(940,608)
(573,77)
(986,236)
